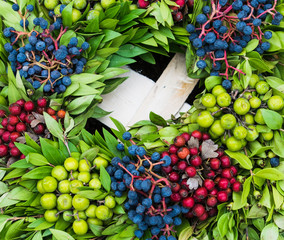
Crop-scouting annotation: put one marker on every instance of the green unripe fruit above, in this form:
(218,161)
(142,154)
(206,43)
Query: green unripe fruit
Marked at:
(51,215)
(98,7)
(80,203)
(65,2)
(40,187)
(267,136)
(261,87)
(110,214)
(205,119)
(79,214)
(50,4)
(95,183)
(252,133)
(74,185)
(84,177)
(64,186)
(133,7)
(275,103)
(224,100)
(80,227)
(208,100)
(49,184)
(95,175)
(107,3)
(236,86)
(110,202)
(76,14)
(71,164)
(64,202)
(67,216)
(194,116)
(241,106)
(59,172)
(258,117)
(215,109)
(57,10)
(102,212)
(228,121)
(213,135)
(217,129)
(240,132)
(253,80)
(218,89)
(79,4)
(247,95)
(91,211)
(74,175)
(255,102)
(249,119)
(100,161)
(271,154)
(48,200)
(92,14)
(233,144)
(224,139)
(76,155)
(244,142)
(95,221)
(84,165)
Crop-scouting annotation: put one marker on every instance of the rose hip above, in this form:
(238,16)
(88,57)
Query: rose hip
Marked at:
(175,197)
(174,177)
(173,149)
(201,193)
(15,152)
(215,163)
(183,193)
(41,102)
(213,192)
(209,184)
(203,217)
(14,136)
(23,117)
(198,210)
(2,113)
(220,152)
(193,151)
(21,127)
(21,102)
(197,134)
(237,187)
(190,171)
(210,174)
(29,106)
(29,118)
(167,169)
(188,202)
(227,173)
(179,141)
(183,152)
(12,120)
(163,154)
(3,150)
(4,122)
(174,159)
(205,136)
(184,184)
(186,136)
(182,165)
(175,187)
(234,170)
(222,196)
(15,109)
(225,161)
(11,128)
(6,136)
(39,129)
(223,183)
(196,161)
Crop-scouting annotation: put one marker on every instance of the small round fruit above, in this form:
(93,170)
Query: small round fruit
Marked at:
(95,183)
(40,187)
(240,132)
(75,155)
(92,14)
(110,202)
(50,4)
(249,119)
(241,106)
(95,175)
(73,175)
(59,172)
(76,14)
(91,211)
(95,221)
(208,100)
(51,215)
(79,4)
(253,80)
(228,121)
(64,186)
(252,133)
(258,118)
(79,214)
(267,136)
(224,99)
(80,227)
(57,9)
(100,161)
(48,200)
(255,102)
(67,216)
(49,184)
(217,129)
(80,203)
(275,103)
(218,89)
(84,177)
(102,212)
(107,3)
(84,165)
(74,185)
(215,110)
(71,164)
(205,119)
(261,87)
(233,144)
(64,202)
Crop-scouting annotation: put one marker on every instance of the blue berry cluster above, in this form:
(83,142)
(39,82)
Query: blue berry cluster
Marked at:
(42,61)
(228,28)
(148,193)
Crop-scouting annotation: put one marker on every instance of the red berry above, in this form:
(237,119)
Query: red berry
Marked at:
(11,128)
(220,152)
(39,129)
(232,180)
(201,193)
(163,154)
(215,163)
(229,191)
(216,180)
(11,145)
(50,111)
(15,109)
(175,197)
(142,3)
(41,102)
(23,117)
(225,161)
(15,152)
(198,210)
(182,165)
(234,170)
(209,184)
(212,212)
(174,159)
(186,136)
(189,215)
(188,202)
(183,193)
(21,127)
(197,134)
(22,156)
(227,173)
(180,3)
(179,141)
(12,120)
(3,150)
(184,184)
(173,149)
(223,183)
(167,169)
(203,217)
(175,187)
(29,118)
(222,196)
(174,177)
(200,148)
(4,122)
(2,113)
(213,192)
(14,136)
(237,187)
(2,130)
(205,136)
(193,151)
(190,171)
(6,136)
(29,106)
(210,174)
(183,152)
(178,16)
(196,161)
(40,110)
(21,102)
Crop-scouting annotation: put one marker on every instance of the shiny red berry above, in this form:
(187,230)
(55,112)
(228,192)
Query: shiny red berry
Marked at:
(21,102)
(4,122)
(41,102)
(39,129)
(179,141)
(217,179)
(2,130)
(29,118)
(232,180)
(197,134)
(188,202)
(196,161)
(175,187)
(205,136)
(6,136)
(201,193)
(11,145)
(213,212)
(184,184)
(167,169)
(14,136)
(193,151)
(203,217)
(174,177)
(210,174)
(223,183)
(186,136)
(22,156)
(21,127)
(182,165)
(209,184)
(198,210)
(215,163)
(40,110)
(227,173)
(225,161)
(175,197)
(234,170)
(174,159)
(163,154)
(3,150)
(11,128)
(29,106)
(15,109)
(183,152)
(15,152)
(222,196)
(23,117)
(220,152)
(213,192)
(183,193)
(2,113)
(237,187)
(13,120)
(190,171)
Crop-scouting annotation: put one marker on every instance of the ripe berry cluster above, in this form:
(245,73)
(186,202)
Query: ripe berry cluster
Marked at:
(199,184)
(23,117)
(42,60)
(148,192)
(226,27)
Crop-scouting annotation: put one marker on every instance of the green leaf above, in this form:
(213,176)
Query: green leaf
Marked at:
(275,83)
(275,43)
(243,160)
(186,233)
(119,61)
(168,134)
(38,173)
(269,232)
(17,172)
(90,194)
(278,144)
(52,154)
(212,81)
(114,229)
(79,105)
(157,119)
(60,235)
(128,231)
(277,197)
(25,149)
(246,189)
(279,220)
(85,78)
(97,230)
(53,126)
(129,50)
(222,224)
(105,178)
(252,44)
(258,223)
(272,119)
(67,15)
(266,198)
(37,159)
(37,236)
(30,142)
(111,143)
(3,188)
(270,173)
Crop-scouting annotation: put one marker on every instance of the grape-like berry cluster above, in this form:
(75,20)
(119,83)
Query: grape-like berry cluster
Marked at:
(200,182)
(148,192)
(23,117)
(42,60)
(227,27)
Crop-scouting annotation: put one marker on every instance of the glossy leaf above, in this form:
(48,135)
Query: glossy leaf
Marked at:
(270,173)
(270,232)
(272,119)
(37,159)
(38,173)
(105,178)
(243,160)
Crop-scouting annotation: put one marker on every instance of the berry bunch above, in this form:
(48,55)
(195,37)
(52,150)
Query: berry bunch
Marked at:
(226,27)
(23,117)
(149,193)
(42,60)
(200,179)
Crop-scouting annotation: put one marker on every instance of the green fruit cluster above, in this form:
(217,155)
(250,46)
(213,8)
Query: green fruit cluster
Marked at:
(61,194)
(236,116)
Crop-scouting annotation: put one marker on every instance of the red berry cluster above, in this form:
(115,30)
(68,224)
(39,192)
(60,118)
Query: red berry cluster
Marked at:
(20,120)
(215,176)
